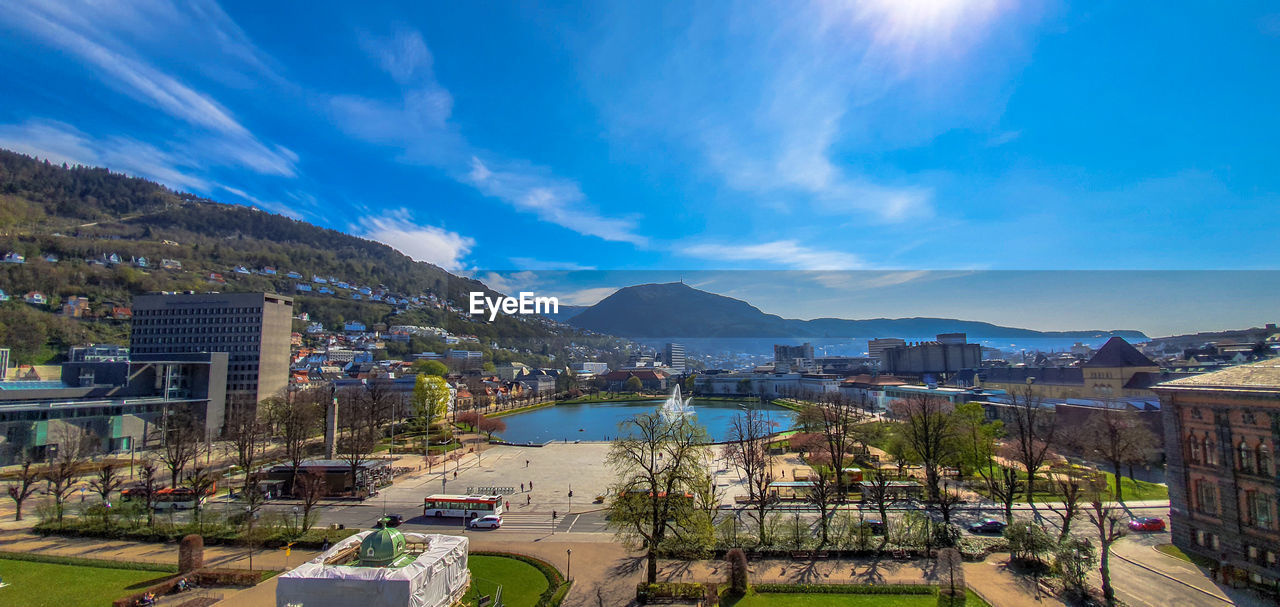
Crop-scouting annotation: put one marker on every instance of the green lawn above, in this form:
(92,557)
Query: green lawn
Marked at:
(1177,553)
(845,600)
(521,582)
(1138,491)
(47,585)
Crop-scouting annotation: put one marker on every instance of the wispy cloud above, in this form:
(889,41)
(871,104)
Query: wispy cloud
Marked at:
(779,253)
(421,242)
(83,31)
(418,123)
(529,263)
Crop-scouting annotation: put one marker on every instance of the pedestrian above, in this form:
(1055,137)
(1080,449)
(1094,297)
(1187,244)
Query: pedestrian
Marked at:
(526,463)
(531,485)
(455,474)
(528,499)
(554,514)
(521,487)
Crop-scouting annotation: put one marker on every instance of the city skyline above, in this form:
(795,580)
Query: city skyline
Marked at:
(884,136)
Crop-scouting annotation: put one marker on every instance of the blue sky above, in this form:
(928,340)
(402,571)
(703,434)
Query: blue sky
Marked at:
(889,135)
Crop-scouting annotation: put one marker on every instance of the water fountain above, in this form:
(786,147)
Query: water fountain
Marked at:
(675,406)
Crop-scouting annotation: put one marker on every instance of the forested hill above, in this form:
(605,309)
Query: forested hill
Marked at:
(83,215)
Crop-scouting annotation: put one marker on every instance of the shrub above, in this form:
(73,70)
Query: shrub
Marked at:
(738,582)
(914,589)
(669,590)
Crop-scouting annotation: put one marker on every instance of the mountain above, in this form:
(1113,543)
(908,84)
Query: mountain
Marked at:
(679,311)
(78,217)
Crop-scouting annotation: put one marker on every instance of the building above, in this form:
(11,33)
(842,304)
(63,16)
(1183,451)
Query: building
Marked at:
(783,353)
(381,568)
(877,346)
(252,328)
(116,407)
(98,353)
(1116,372)
(1221,432)
(591,368)
(931,357)
(673,355)
(650,379)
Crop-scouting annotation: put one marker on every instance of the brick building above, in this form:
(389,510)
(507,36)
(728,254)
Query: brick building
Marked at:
(1221,431)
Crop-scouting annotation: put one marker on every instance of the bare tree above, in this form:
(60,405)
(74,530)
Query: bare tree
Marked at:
(149,474)
(948,499)
(822,494)
(247,437)
(1032,433)
(1117,437)
(746,447)
(312,486)
(929,430)
(22,485)
(1107,519)
(183,441)
(361,418)
(655,459)
(878,492)
(105,481)
(202,482)
(297,419)
(61,473)
(838,425)
(1072,488)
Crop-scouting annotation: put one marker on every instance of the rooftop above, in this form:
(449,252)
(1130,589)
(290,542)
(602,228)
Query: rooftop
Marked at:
(1252,376)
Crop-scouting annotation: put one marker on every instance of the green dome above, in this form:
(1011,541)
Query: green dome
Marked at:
(381,548)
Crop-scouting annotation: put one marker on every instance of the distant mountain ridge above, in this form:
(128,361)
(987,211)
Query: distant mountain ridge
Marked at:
(680,311)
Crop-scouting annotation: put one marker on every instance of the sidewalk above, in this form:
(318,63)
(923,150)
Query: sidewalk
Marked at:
(1002,588)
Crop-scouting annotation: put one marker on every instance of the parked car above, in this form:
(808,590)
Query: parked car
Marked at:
(875,526)
(394,520)
(492,521)
(1147,524)
(987,525)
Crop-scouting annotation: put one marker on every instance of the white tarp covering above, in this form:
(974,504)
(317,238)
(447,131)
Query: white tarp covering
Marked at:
(436,578)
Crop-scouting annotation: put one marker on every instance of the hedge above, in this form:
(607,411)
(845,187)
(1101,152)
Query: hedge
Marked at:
(915,589)
(557,587)
(669,590)
(313,539)
(84,562)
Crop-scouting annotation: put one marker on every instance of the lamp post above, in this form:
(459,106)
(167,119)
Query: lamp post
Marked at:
(568,564)
(295,518)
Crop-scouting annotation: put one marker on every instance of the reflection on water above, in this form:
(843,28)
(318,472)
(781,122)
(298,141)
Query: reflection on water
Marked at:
(599,421)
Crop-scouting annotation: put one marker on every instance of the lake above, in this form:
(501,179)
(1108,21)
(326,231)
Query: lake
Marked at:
(599,421)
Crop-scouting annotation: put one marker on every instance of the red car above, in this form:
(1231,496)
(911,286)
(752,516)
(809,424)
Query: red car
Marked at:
(1146,524)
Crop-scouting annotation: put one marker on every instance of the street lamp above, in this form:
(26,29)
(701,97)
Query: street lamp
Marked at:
(568,564)
(295,517)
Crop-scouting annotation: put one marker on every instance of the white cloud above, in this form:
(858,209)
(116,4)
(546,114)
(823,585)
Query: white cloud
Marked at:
(419,124)
(586,297)
(779,253)
(539,264)
(83,32)
(420,242)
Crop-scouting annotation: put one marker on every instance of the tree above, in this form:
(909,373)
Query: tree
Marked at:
(312,486)
(1028,541)
(822,494)
(746,447)
(490,425)
(1032,433)
(297,419)
(183,441)
(430,400)
(149,475)
(738,582)
(1117,437)
(655,458)
(633,384)
(105,481)
(878,492)
(60,474)
(1108,521)
(433,368)
(1072,488)
(361,417)
(246,436)
(202,481)
(929,432)
(837,422)
(22,485)
(951,567)
(948,499)
(1073,559)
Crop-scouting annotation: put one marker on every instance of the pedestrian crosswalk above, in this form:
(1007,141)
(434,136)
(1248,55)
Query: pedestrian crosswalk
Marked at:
(530,522)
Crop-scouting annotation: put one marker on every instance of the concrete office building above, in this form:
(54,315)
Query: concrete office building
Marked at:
(674,357)
(930,358)
(252,328)
(876,347)
(115,407)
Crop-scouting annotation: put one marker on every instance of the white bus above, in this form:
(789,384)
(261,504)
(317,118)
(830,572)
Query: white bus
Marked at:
(468,506)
